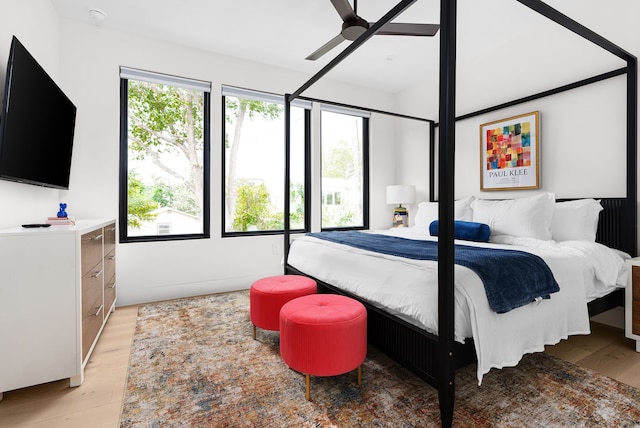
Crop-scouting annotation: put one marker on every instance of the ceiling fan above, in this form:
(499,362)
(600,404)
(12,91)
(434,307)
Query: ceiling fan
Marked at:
(353,26)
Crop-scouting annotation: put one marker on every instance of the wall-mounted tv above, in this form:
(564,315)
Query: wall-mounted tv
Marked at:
(37,124)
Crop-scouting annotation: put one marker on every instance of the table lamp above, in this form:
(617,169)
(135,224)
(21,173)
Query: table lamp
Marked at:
(401,194)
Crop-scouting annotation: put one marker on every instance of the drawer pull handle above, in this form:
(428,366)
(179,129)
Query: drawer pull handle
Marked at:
(113,285)
(97,274)
(98,237)
(111,257)
(98,311)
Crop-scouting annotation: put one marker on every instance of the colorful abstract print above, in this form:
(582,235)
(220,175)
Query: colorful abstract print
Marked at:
(509,146)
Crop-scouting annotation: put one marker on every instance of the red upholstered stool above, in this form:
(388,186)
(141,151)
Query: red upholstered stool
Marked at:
(267,295)
(323,335)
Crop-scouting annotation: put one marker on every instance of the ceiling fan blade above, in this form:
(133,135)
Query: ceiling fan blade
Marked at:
(344,9)
(326,47)
(398,29)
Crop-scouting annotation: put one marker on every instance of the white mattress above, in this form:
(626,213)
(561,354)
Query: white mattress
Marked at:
(408,289)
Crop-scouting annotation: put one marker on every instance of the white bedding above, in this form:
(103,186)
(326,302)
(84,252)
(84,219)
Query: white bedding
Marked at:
(408,289)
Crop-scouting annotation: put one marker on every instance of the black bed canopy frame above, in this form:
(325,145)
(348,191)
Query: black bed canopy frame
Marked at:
(442,367)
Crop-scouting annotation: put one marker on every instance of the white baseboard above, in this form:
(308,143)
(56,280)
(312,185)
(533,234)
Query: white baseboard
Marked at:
(134,296)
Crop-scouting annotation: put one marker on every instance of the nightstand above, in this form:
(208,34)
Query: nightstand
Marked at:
(632,303)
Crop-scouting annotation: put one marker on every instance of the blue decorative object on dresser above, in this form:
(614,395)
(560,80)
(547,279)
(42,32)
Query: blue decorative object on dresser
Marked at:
(62,213)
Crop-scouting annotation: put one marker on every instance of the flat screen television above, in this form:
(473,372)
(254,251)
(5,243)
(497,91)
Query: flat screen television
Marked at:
(37,124)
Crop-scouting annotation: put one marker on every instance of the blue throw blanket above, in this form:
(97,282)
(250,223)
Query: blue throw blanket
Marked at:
(511,278)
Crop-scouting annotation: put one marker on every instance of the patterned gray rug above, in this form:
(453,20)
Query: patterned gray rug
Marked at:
(194,364)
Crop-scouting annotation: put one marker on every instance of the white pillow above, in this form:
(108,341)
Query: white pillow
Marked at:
(428,212)
(519,218)
(576,220)
(462,209)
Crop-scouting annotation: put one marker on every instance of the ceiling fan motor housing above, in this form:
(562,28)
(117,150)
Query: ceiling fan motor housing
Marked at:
(354,28)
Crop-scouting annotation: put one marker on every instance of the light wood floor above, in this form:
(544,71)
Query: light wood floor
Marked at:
(98,401)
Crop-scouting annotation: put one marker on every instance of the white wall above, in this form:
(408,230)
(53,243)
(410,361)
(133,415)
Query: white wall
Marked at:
(582,144)
(89,58)
(35,24)
(412,158)
(382,169)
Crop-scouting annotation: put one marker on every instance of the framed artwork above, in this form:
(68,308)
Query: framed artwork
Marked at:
(509,153)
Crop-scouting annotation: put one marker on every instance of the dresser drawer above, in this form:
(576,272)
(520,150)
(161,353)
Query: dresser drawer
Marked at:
(92,288)
(91,249)
(110,265)
(109,238)
(92,319)
(92,306)
(109,293)
(632,303)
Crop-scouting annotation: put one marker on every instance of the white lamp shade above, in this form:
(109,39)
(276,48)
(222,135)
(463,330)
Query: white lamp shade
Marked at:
(401,194)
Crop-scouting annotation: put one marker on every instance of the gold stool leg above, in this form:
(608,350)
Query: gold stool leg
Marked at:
(308,383)
(360,375)
(254,332)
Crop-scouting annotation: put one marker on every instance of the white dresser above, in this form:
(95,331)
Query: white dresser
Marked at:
(57,289)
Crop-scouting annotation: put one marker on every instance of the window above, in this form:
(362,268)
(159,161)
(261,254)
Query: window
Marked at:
(164,157)
(331,198)
(253,154)
(345,184)
(164,228)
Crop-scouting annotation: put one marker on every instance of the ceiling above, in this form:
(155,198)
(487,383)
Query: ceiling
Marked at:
(284,32)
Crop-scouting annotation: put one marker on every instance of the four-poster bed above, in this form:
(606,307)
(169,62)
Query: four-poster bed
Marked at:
(435,357)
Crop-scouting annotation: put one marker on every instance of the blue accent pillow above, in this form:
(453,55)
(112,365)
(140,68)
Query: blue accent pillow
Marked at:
(466,230)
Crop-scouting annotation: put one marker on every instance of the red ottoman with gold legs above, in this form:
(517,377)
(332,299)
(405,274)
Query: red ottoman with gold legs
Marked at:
(323,335)
(267,295)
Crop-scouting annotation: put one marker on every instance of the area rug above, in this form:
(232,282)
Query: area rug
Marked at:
(194,364)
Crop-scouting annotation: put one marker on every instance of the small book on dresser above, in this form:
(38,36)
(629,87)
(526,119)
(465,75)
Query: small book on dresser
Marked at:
(60,221)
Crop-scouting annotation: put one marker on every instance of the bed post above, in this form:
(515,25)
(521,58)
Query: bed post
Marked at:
(632,153)
(447,103)
(287,178)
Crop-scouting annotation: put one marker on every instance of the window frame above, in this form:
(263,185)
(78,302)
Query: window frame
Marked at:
(365,165)
(124,167)
(263,96)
